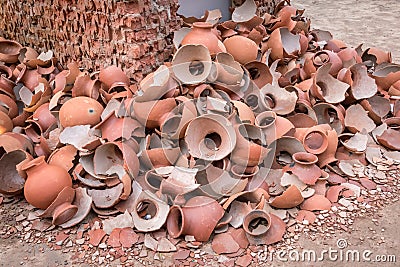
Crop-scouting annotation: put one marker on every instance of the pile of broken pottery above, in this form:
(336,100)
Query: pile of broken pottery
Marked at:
(255,122)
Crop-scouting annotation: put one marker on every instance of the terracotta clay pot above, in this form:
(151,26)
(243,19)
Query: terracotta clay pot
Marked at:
(305,167)
(198,218)
(6,124)
(263,228)
(210,137)
(44,117)
(249,150)
(113,76)
(61,209)
(89,112)
(153,114)
(192,64)
(256,225)
(44,182)
(314,139)
(328,156)
(201,33)
(241,48)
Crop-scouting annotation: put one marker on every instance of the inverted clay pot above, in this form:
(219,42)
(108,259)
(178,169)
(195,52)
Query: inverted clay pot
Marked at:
(210,137)
(198,218)
(201,34)
(263,228)
(153,114)
(113,76)
(250,147)
(192,64)
(61,209)
(89,112)
(305,167)
(84,203)
(44,182)
(241,48)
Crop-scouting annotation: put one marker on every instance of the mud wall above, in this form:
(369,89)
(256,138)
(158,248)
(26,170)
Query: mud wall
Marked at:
(136,35)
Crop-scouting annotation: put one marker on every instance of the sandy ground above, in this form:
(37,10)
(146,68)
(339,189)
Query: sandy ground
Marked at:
(374,23)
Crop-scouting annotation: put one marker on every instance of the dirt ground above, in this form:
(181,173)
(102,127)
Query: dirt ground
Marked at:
(374,23)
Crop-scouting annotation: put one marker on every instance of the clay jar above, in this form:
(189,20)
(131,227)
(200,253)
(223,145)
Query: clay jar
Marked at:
(305,168)
(80,110)
(314,139)
(44,182)
(198,218)
(201,33)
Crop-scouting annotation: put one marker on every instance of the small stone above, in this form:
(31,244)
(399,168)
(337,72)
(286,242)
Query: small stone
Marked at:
(244,261)
(80,241)
(181,254)
(103,245)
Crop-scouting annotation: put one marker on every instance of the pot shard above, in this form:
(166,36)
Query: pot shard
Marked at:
(61,209)
(198,218)
(263,228)
(290,198)
(363,85)
(11,181)
(250,147)
(328,88)
(210,137)
(357,119)
(84,203)
(192,64)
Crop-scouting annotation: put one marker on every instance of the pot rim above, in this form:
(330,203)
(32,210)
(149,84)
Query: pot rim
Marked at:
(305,158)
(253,215)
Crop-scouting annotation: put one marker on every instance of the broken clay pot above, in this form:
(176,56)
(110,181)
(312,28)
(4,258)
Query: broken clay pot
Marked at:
(210,137)
(198,218)
(201,34)
(305,167)
(44,182)
(61,209)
